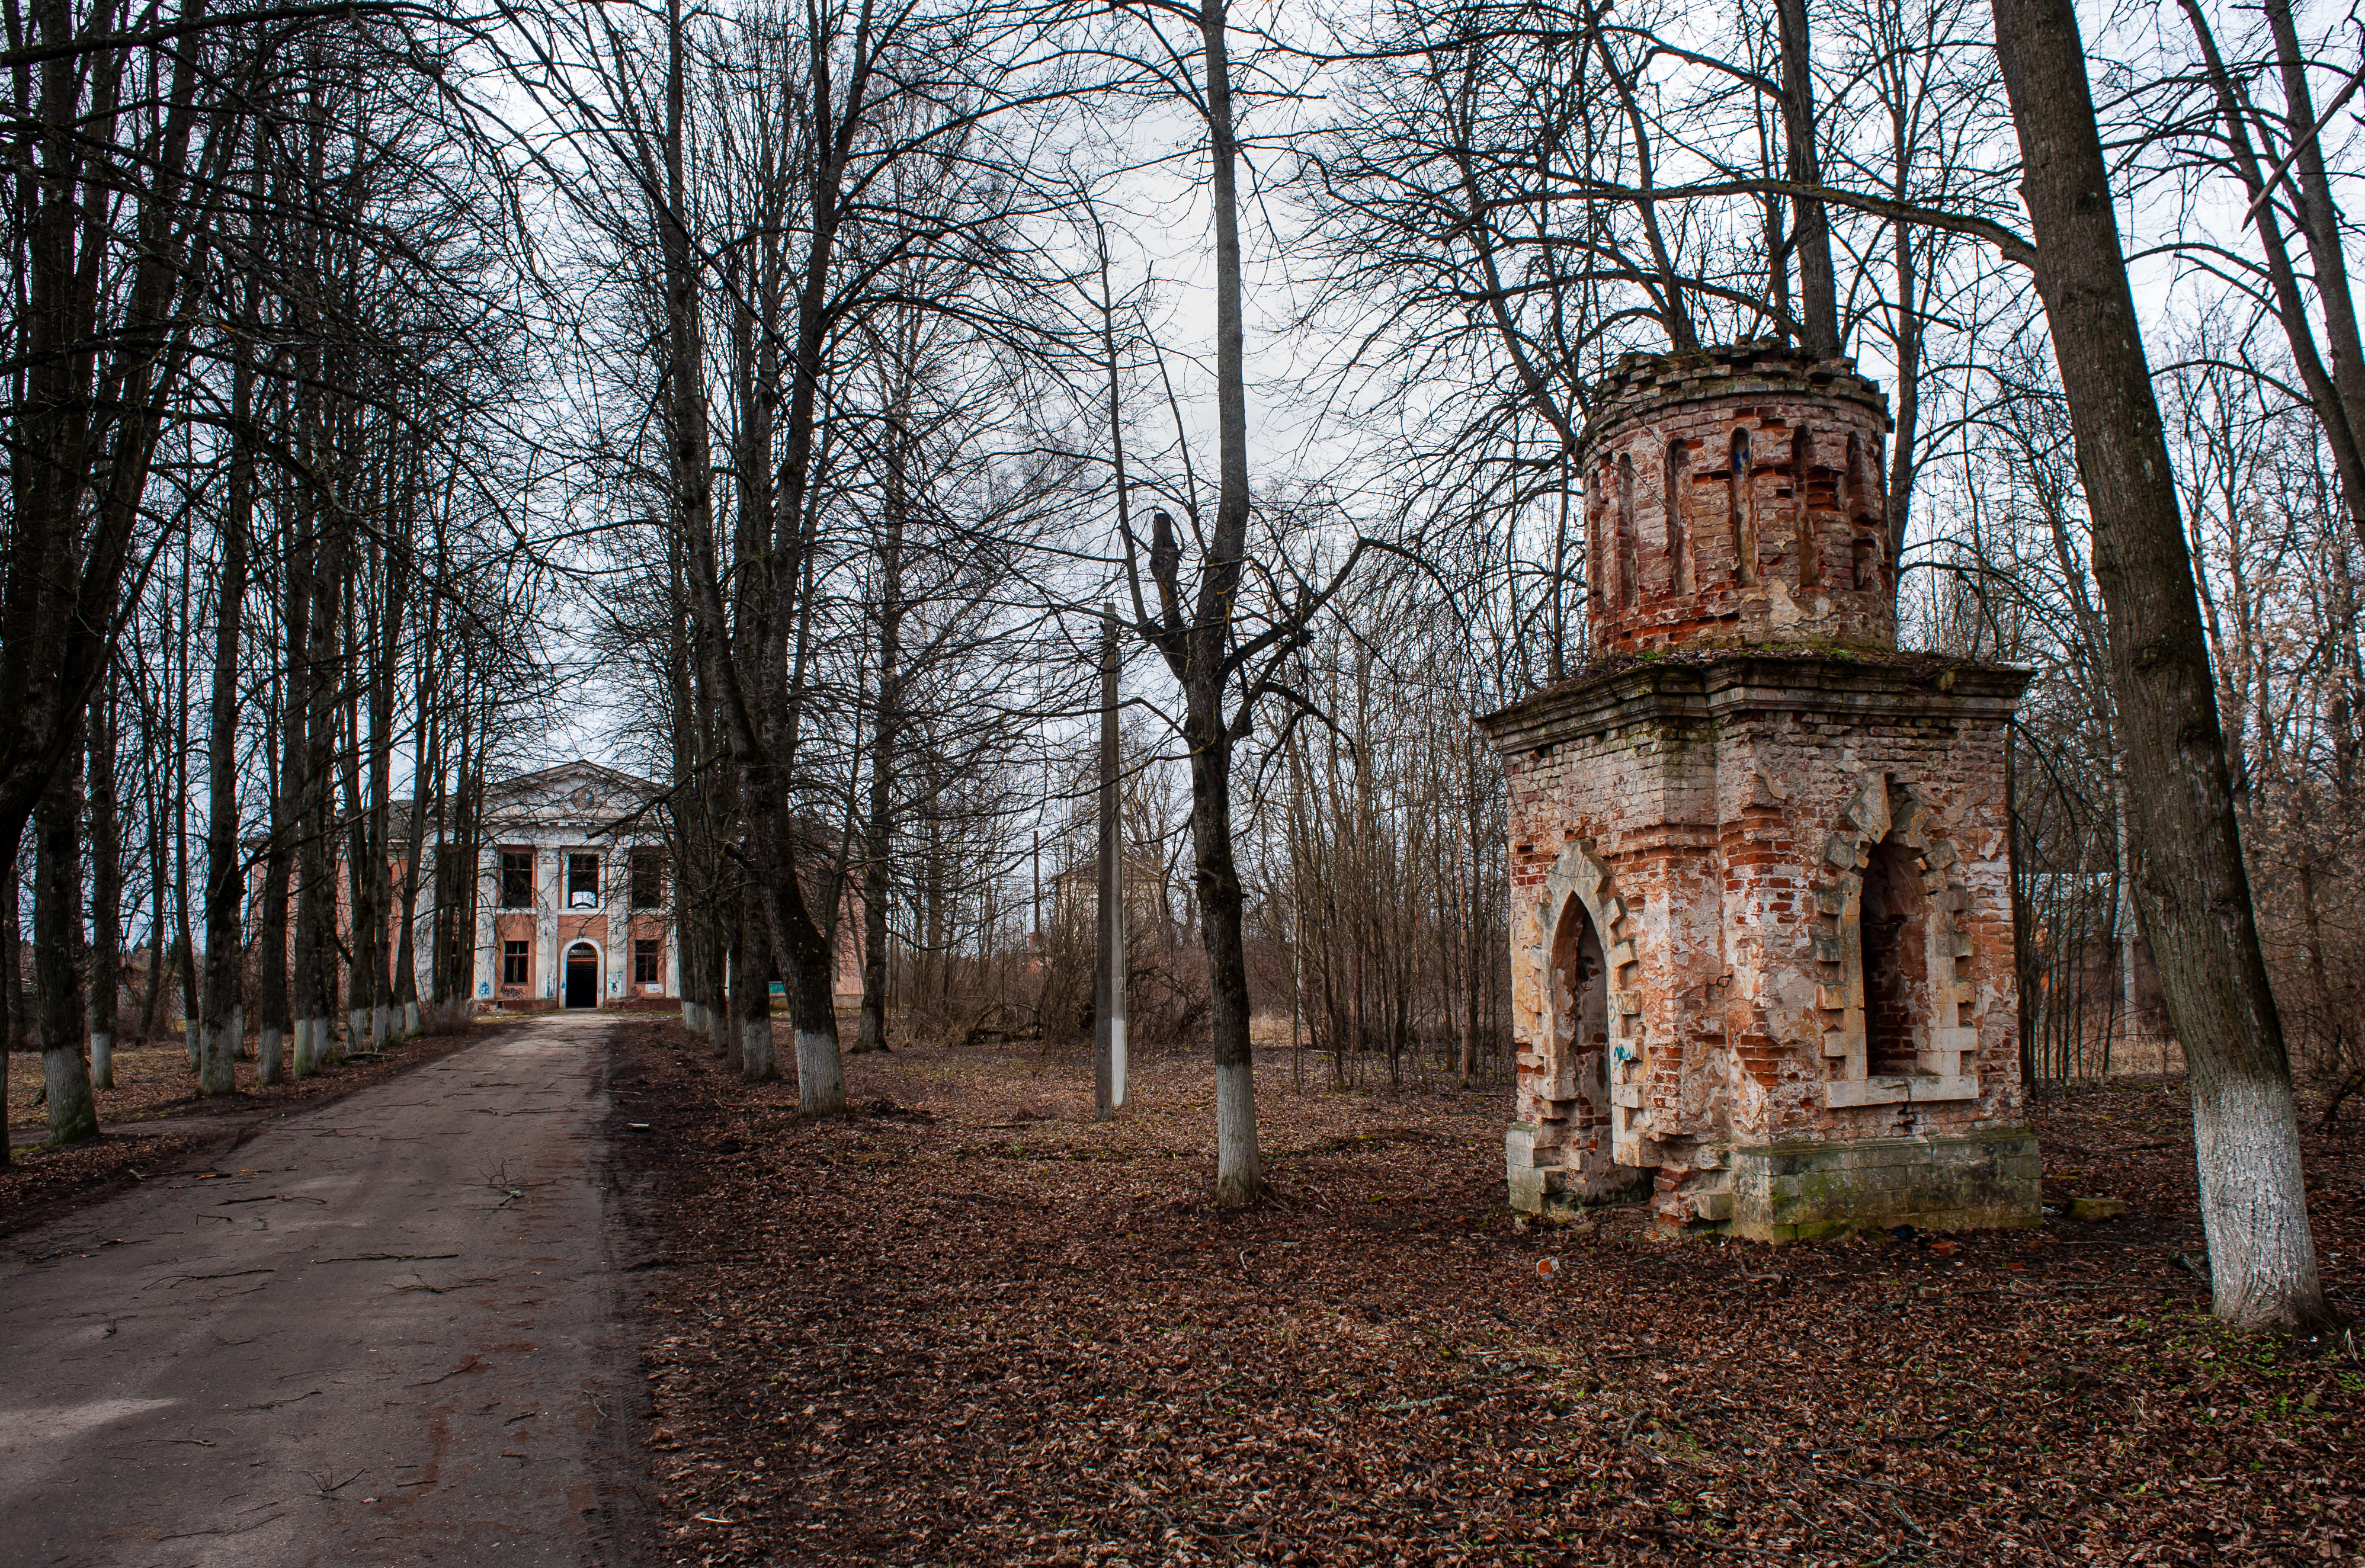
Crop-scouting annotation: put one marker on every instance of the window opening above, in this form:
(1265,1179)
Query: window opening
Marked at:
(1895,923)
(1737,505)
(645,960)
(1860,525)
(1629,590)
(1595,556)
(648,879)
(1581,1020)
(517,878)
(516,964)
(1802,478)
(583,882)
(1679,573)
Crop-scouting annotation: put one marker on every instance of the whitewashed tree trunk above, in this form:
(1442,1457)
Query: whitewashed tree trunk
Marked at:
(303,1061)
(2254,1203)
(755,1063)
(102,1059)
(270,1057)
(820,1076)
(2191,888)
(410,1020)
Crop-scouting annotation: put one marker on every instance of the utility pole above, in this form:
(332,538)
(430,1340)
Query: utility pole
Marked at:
(1108,991)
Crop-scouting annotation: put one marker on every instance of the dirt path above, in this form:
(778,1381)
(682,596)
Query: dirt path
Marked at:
(389,1330)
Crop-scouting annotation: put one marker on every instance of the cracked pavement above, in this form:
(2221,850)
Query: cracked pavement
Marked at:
(388,1330)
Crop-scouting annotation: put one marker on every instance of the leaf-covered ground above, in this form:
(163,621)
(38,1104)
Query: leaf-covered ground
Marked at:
(969,1325)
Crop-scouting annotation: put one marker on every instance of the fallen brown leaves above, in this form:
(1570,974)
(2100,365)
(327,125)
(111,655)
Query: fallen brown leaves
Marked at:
(969,1325)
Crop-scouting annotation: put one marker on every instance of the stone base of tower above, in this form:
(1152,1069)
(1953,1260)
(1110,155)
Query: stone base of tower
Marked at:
(1808,1192)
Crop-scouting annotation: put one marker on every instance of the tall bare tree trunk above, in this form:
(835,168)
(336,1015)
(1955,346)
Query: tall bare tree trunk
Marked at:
(879,820)
(1240,1165)
(221,1022)
(272,1005)
(57,941)
(106,889)
(2191,888)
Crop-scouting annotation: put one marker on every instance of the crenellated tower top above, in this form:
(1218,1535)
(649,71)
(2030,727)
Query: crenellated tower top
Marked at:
(1736,497)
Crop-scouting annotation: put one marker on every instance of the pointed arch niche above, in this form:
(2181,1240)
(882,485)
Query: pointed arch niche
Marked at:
(1893,997)
(1596,1067)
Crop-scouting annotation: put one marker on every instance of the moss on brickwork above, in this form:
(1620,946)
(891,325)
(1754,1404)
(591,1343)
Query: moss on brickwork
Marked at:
(1804,1191)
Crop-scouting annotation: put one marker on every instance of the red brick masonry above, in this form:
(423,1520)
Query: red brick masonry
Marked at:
(1761,932)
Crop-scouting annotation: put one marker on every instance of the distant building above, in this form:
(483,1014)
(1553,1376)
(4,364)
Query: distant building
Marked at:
(1076,892)
(575,896)
(572,913)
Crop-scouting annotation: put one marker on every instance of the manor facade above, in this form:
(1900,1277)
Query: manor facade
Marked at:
(575,896)
(573,893)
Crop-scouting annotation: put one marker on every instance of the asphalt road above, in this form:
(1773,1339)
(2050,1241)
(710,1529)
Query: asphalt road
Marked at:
(389,1330)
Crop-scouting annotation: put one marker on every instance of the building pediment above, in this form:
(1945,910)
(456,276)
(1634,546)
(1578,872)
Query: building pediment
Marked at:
(576,791)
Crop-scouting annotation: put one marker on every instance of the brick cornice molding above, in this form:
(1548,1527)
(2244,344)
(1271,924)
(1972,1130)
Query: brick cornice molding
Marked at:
(1697,689)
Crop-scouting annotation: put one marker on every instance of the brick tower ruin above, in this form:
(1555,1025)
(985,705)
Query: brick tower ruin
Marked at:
(1762,950)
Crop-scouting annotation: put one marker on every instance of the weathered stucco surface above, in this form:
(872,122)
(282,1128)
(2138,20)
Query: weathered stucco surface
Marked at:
(1759,888)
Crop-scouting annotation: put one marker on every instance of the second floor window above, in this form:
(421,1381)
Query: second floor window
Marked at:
(648,879)
(517,878)
(514,963)
(583,882)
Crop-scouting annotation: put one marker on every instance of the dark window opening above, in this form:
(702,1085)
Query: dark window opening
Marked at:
(648,879)
(583,882)
(516,964)
(1679,575)
(517,878)
(1745,530)
(1629,589)
(1895,986)
(1581,1019)
(645,961)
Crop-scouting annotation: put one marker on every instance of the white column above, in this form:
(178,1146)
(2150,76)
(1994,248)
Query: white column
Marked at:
(616,898)
(486,969)
(550,900)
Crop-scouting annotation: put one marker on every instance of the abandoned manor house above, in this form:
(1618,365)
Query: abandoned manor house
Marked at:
(1761,909)
(568,916)
(571,913)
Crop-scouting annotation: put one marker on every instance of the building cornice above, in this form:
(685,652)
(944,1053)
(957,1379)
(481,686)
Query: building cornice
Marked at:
(1701,687)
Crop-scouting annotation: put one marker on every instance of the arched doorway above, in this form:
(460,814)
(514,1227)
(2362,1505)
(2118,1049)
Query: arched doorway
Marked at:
(1580,1013)
(582,975)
